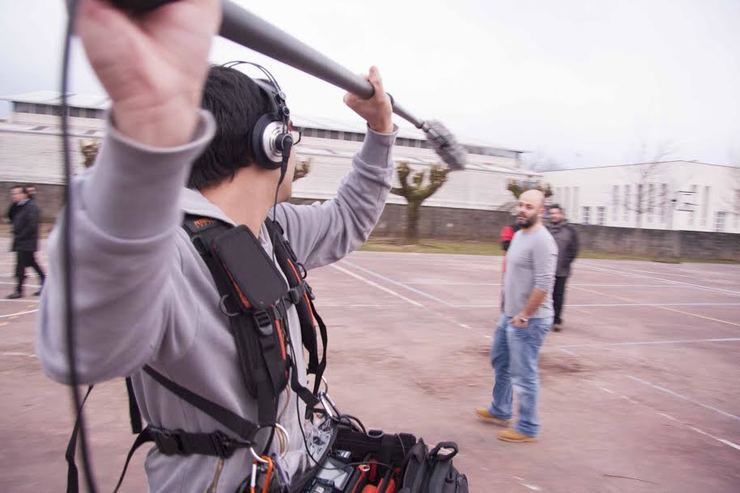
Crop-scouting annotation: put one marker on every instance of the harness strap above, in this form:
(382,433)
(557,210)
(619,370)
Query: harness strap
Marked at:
(324,340)
(242,427)
(302,297)
(133,408)
(73,484)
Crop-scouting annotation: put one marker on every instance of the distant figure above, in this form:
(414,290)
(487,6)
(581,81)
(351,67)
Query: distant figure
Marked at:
(567,239)
(527,317)
(31,192)
(25,219)
(507,234)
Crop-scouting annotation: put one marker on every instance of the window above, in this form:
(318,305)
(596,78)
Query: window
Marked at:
(566,196)
(600,216)
(626,209)
(639,203)
(586,215)
(737,208)
(705,207)
(615,201)
(663,202)
(575,199)
(694,198)
(651,202)
(719,221)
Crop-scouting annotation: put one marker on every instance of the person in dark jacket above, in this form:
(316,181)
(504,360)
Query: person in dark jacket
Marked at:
(567,239)
(25,219)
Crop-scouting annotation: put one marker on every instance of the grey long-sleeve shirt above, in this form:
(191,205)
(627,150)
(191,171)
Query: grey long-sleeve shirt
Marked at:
(530,263)
(143,295)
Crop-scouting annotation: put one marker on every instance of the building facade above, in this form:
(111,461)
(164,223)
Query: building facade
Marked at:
(30,151)
(670,195)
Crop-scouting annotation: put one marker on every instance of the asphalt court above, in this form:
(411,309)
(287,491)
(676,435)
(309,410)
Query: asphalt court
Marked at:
(638,393)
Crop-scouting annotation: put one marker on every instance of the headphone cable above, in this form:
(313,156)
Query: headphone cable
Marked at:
(67,260)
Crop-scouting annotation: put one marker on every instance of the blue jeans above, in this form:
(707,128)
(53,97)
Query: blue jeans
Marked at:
(514,356)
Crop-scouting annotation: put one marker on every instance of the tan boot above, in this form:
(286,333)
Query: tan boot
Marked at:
(486,416)
(511,435)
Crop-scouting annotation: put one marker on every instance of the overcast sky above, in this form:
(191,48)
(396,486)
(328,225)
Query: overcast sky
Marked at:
(580,82)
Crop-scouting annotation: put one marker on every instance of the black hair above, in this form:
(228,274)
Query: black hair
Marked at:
(236,103)
(556,206)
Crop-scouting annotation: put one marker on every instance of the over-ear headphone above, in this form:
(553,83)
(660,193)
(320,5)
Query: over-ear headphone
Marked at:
(271,138)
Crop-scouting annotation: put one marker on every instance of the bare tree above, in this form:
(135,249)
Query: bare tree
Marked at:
(517,187)
(89,149)
(422,186)
(538,162)
(302,168)
(649,193)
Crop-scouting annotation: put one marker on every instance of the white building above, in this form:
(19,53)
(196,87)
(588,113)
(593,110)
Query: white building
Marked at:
(679,195)
(30,151)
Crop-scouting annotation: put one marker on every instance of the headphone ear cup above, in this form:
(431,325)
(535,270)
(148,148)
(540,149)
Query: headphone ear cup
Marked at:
(263,141)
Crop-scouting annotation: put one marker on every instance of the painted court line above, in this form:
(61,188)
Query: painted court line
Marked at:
(25,284)
(648,343)
(375,285)
(668,416)
(613,305)
(21,300)
(13,353)
(624,273)
(676,394)
(396,283)
(661,307)
(12,315)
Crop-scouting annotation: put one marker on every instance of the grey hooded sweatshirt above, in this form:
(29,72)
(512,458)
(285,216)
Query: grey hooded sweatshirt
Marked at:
(143,295)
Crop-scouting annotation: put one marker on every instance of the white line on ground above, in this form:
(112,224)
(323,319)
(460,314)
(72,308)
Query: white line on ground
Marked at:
(13,353)
(660,307)
(676,394)
(655,304)
(360,305)
(567,351)
(376,285)
(396,283)
(521,481)
(613,305)
(722,440)
(668,416)
(25,284)
(20,300)
(624,273)
(441,282)
(11,315)
(646,343)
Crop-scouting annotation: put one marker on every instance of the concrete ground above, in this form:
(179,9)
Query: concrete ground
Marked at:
(639,393)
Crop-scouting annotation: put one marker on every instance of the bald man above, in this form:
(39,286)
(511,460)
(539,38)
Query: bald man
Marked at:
(528,315)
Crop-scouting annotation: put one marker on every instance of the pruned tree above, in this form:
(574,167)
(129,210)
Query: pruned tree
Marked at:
(89,150)
(302,168)
(518,187)
(422,185)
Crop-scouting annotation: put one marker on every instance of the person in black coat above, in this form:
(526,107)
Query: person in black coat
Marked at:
(566,237)
(25,219)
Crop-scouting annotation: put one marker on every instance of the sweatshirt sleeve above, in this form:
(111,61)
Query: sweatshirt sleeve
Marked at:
(545,258)
(126,274)
(323,233)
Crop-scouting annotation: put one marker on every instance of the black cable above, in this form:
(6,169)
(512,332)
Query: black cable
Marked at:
(350,418)
(67,261)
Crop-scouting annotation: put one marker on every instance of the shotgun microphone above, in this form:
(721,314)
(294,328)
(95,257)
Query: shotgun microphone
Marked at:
(248,30)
